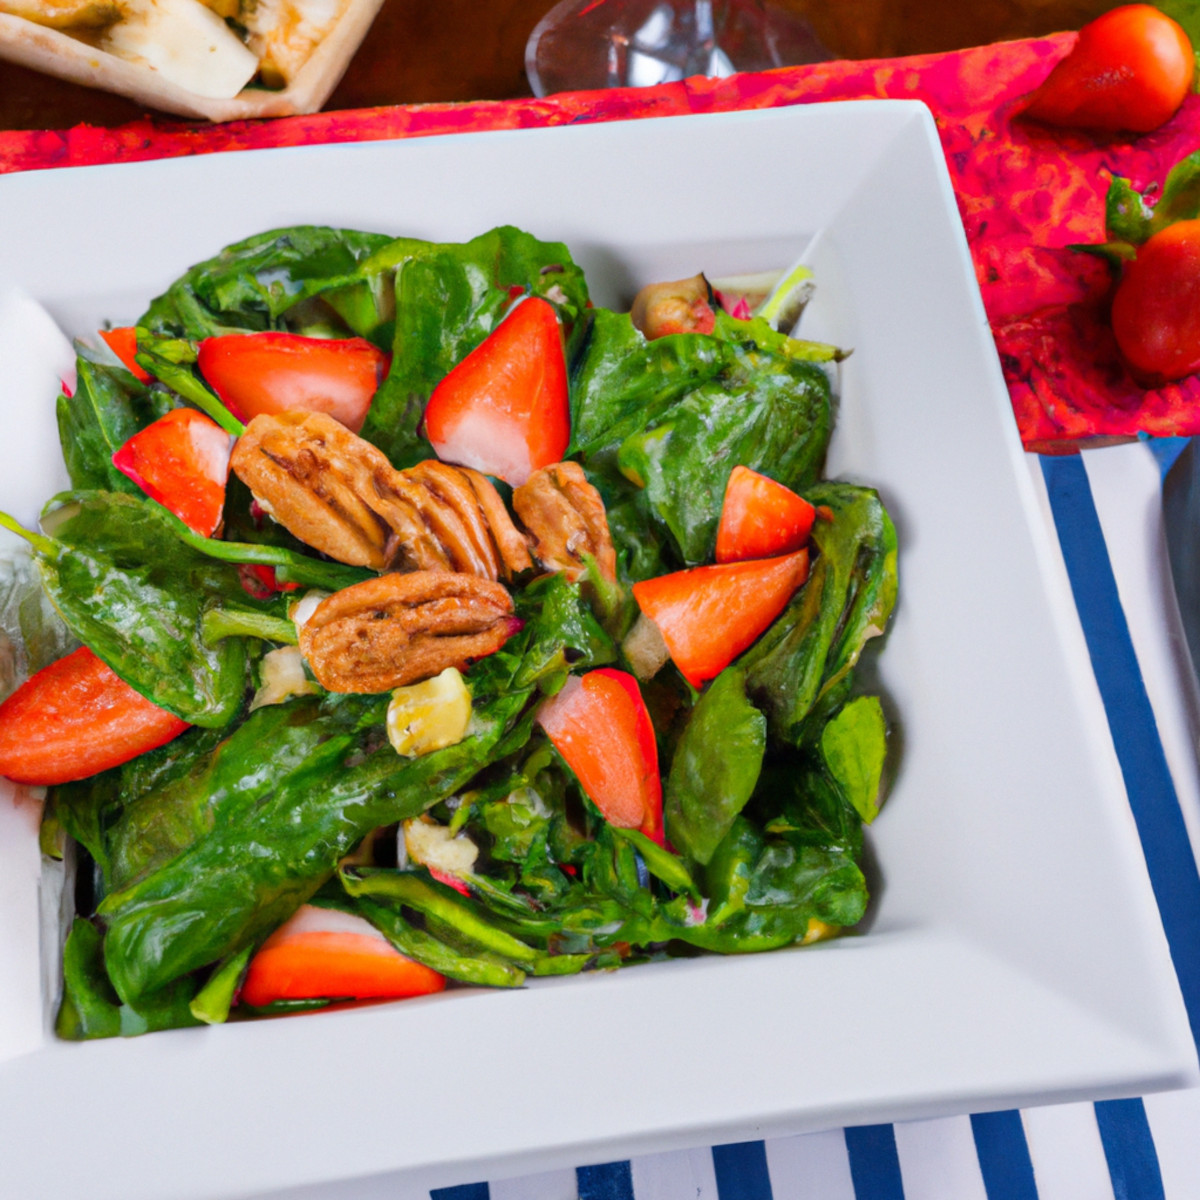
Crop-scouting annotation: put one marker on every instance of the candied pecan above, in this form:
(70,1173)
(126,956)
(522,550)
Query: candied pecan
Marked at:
(316,478)
(339,494)
(398,629)
(451,518)
(565,515)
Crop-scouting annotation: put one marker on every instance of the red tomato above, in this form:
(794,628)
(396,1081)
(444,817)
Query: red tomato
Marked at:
(709,615)
(599,724)
(1156,309)
(1130,69)
(760,518)
(504,410)
(256,373)
(76,718)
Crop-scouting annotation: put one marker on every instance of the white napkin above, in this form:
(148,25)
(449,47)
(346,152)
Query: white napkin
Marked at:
(35,360)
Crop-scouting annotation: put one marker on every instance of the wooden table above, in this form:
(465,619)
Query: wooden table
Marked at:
(418,51)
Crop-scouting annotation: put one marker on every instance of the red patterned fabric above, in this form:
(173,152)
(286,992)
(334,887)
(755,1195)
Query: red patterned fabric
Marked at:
(1025,194)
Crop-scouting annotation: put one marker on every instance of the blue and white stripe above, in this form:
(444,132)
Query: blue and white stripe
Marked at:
(1112,1150)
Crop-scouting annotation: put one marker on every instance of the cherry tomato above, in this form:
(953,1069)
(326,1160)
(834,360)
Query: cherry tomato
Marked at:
(1156,309)
(1130,69)
(271,372)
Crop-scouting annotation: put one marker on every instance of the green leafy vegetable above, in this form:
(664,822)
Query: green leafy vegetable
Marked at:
(107,408)
(134,595)
(448,299)
(854,744)
(622,382)
(251,284)
(767,412)
(804,661)
(224,892)
(91,1009)
(715,766)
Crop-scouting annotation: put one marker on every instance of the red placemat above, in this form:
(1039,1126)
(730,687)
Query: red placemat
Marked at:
(1024,193)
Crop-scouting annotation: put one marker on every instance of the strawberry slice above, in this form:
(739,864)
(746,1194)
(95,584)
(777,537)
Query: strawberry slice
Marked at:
(274,372)
(259,582)
(760,518)
(503,409)
(321,953)
(123,343)
(709,615)
(599,724)
(76,718)
(182,461)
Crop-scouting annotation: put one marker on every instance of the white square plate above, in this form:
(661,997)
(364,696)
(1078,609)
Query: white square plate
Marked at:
(1014,954)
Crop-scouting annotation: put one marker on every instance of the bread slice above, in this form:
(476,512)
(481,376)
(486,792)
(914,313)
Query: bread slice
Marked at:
(57,53)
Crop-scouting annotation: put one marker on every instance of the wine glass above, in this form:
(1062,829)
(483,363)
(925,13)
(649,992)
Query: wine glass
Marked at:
(583,44)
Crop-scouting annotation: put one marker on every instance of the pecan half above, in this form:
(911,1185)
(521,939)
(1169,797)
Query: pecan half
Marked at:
(451,518)
(339,494)
(316,478)
(566,517)
(398,629)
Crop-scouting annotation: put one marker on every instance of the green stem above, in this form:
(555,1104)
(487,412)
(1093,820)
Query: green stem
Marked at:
(661,863)
(41,543)
(440,902)
(212,1003)
(291,567)
(218,623)
(426,949)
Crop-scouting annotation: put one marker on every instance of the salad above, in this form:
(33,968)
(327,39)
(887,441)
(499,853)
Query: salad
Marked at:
(413,620)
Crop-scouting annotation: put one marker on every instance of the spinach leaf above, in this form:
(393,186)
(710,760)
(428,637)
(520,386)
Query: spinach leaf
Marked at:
(134,594)
(854,744)
(108,407)
(448,299)
(32,634)
(621,382)
(715,766)
(768,413)
(236,775)
(757,331)
(764,892)
(803,663)
(560,634)
(91,1009)
(250,284)
(263,860)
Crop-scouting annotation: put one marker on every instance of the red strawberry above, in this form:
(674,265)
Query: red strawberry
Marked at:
(274,372)
(599,724)
(259,582)
(75,718)
(709,615)
(182,461)
(503,409)
(123,343)
(321,953)
(760,518)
